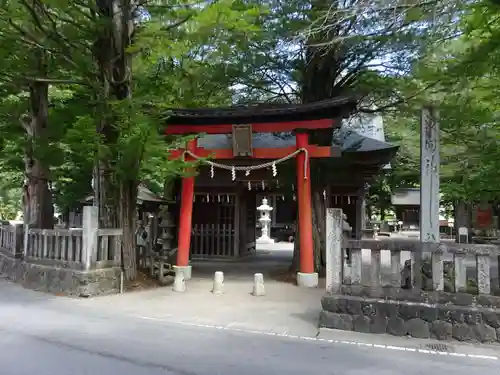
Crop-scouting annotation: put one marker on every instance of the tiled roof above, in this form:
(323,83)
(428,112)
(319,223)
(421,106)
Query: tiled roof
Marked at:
(332,108)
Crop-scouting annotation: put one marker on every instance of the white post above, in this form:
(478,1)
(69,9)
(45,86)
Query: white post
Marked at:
(179,282)
(90,226)
(218,287)
(334,254)
(258,285)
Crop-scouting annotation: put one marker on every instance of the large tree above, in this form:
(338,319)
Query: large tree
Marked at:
(29,65)
(175,52)
(317,49)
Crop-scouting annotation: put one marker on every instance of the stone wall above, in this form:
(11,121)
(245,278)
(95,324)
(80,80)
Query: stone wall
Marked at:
(438,315)
(61,281)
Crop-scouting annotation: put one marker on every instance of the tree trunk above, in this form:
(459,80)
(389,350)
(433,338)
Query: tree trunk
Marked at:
(106,195)
(319,229)
(116,208)
(128,222)
(320,71)
(319,233)
(37,197)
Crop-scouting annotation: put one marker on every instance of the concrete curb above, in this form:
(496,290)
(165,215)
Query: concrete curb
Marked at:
(429,346)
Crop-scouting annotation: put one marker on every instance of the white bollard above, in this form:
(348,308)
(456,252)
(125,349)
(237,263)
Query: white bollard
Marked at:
(218,287)
(258,285)
(179,282)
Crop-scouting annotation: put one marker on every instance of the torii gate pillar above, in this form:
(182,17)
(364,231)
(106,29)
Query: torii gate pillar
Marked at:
(185,221)
(306,277)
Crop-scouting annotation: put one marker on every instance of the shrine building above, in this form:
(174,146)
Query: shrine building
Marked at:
(280,152)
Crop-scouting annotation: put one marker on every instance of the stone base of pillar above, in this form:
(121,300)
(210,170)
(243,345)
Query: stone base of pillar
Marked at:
(307,280)
(186,270)
(264,240)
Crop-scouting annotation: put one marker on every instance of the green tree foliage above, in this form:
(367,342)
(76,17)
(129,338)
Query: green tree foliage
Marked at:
(460,75)
(107,84)
(316,50)
(464,73)
(110,83)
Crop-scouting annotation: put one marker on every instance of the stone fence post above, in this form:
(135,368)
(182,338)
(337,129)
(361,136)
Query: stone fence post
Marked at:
(17,246)
(89,233)
(334,253)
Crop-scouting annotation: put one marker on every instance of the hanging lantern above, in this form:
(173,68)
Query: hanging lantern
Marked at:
(324,195)
(208,198)
(249,185)
(247,172)
(263,184)
(227,198)
(212,171)
(294,197)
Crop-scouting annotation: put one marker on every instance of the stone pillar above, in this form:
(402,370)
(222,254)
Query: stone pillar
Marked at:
(306,277)
(429,196)
(18,247)
(360,213)
(89,239)
(334,253)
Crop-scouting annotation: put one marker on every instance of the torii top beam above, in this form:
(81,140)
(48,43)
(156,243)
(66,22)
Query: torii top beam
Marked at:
(317,116)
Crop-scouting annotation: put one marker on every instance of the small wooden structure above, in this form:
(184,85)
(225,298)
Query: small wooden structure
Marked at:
(147,202)
(251,152)
(406,203)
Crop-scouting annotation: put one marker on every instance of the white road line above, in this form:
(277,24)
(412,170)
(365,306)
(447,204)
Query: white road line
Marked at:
(308,338)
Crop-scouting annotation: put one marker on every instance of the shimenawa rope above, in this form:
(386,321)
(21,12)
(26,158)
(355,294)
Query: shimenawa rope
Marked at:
(254,167)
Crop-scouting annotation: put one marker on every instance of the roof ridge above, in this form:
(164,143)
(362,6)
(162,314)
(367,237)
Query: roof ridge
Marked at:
(262,110)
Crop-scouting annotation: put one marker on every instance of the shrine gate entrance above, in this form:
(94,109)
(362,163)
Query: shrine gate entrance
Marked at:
(217,211)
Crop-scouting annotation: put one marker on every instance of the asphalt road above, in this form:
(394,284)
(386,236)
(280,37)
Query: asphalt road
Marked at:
(41,336)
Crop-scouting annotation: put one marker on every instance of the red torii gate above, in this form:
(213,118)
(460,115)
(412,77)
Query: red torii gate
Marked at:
(306,276)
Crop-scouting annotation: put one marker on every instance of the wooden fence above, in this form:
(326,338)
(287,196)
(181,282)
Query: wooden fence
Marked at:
(213,240)
(82,248)
(337,246)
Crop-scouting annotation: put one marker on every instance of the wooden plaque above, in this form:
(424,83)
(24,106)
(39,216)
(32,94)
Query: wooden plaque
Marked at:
(242,140)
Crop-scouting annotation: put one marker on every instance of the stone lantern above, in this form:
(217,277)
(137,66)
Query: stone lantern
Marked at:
(265,223)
